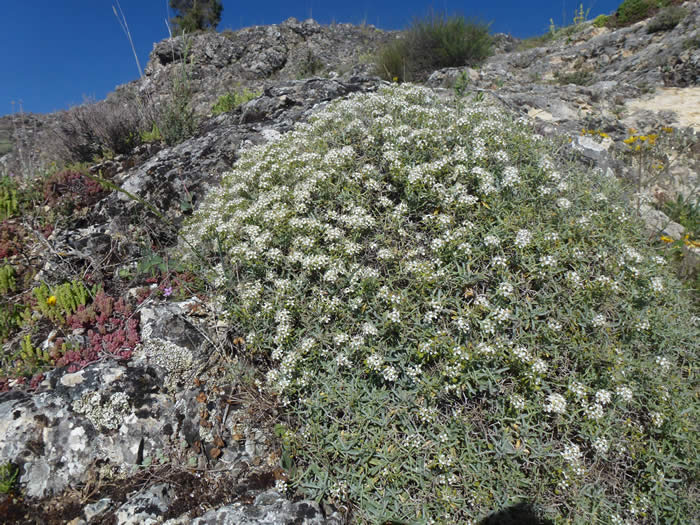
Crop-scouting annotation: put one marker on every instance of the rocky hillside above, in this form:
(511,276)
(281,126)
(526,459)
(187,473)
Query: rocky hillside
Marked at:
(127,392)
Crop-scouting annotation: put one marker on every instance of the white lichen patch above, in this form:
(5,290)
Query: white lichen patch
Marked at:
(174,359)
(77,439)
(108,414)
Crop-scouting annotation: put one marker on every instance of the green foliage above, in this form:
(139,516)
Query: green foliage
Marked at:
(455,317)
(580,77)
(152,136)
(8,477)
(177,121)
(63,300)
(601,20)
(461,84)
(667,19)
(685,212)
(631,11)
(691,43)
(433,43)
(231,100)
(9,204)
(310,65)
(12,317)
(196,15)
(31,358)
(580,16)
(7,279)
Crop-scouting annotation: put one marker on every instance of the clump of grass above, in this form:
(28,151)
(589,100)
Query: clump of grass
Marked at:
(454,321)
(432,43)
(667,19)
(8,477)
(686,212)
(601,20)
(580,77)
(231,100)
(631,11)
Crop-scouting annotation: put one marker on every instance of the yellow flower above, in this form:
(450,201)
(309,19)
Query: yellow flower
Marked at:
(667,129)
(603,134)
(630,140)
(51,300)
(666,238)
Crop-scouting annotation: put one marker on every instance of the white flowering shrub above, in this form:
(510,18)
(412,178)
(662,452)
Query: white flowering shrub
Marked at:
(454,320)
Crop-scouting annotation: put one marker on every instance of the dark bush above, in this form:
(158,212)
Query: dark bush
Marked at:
(667,19)
(631,11)
(433,43)
(580,78)
(95,129)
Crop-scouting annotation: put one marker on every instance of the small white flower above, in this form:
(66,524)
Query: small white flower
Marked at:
(523,238)
(657,419)
(564,203)
(599,321)
(601,445)
(578,389)
(518,402)
(390,374)
(663,362)
(394,316)
(556,404)
(657,284)
(554,325)
(572,453)
(642,325)
(505,289)
(603,397)
(375,361)
(539,366)
(624,392)
(593,411)
(492,240)
(548,260)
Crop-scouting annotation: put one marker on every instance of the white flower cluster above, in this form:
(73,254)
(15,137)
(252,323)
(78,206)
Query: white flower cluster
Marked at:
(555,404)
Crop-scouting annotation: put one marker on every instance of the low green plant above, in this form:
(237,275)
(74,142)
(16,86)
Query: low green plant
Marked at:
(152,136)
(7,279)
(59,301)
(461,84)
(432,43)
(691,43)
(176,120)
(631,11)
(310,65)
(231,100)
(9,204)
(579,77)
(455,320)
(667,19)
(686,212)
(12,317)
(31,358)
(8,477)
(601,20)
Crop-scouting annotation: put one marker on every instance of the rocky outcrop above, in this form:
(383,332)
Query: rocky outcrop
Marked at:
(254,57)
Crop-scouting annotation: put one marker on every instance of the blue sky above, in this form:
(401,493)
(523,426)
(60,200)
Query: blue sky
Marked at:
(58,52)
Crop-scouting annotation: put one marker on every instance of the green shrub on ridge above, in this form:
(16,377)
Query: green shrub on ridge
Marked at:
(433,43)
(454,321)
